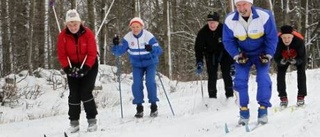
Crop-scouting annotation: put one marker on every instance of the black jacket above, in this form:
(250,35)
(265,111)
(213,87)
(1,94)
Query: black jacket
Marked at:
(296,45)
(208,42)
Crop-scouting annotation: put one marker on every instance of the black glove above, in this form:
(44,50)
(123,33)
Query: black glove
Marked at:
(265,58)
(83,71)
(71,72)
(241,58)
(148,47)
(115,40)
(67,70)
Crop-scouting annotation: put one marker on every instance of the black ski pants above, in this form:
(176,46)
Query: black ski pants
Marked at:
(301,80)
(81,91)
(212,63)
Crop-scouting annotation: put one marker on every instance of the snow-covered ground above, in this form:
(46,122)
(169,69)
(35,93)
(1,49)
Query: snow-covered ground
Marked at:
(194,116)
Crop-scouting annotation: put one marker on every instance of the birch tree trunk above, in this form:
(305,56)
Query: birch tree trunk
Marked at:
(91,16)
(31,18)
(6,61)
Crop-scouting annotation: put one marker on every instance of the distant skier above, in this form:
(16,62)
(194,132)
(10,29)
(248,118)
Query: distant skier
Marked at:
(209,45)
(77,54)
(250,37)
(290,51)
(144,52)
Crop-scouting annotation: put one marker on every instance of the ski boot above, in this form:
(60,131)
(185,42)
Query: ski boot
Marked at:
(154,110)
(300,101)
(244,116)
(74,126)
(283,102)
(262,115)
(92,125)
(139,113)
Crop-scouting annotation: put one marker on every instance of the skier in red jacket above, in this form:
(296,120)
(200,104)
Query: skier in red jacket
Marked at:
(77,54)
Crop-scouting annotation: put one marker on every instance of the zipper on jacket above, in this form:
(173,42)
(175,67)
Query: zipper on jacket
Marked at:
(288,52)
(139,51)
(76,37)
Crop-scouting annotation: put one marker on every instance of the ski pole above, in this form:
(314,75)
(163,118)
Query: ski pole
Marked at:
(118,73)
(201,85)
(70,65)
(84,60)
(165,93)
(51,3)
(164,90)
(104,19)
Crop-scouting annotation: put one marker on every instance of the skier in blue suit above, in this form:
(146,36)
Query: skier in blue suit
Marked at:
(144,50)
(250,37)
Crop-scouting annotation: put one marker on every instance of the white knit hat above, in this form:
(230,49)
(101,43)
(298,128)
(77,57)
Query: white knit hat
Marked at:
(72,15)
(136,20)
(250,1)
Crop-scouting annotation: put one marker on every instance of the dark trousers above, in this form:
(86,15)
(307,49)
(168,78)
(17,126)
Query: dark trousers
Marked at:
(301,79)
(225,62)
(81,91)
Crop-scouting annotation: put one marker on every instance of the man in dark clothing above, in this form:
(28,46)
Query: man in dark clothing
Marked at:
(290,51)
(209,45)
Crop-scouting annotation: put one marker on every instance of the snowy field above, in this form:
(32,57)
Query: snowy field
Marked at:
(45,113)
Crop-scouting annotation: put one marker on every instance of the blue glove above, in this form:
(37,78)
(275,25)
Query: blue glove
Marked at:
(199,67)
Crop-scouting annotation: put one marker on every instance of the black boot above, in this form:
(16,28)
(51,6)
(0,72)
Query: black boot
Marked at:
(139,113)
(154,110)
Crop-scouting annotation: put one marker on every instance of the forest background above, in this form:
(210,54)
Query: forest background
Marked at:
(29,29)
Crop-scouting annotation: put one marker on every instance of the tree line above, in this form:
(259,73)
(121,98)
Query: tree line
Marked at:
(29,29)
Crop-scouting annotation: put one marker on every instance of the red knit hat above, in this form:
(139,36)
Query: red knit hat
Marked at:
(136,20)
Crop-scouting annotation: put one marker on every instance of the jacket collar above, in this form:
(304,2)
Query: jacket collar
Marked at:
(80,32)
(139,35)
(253,11)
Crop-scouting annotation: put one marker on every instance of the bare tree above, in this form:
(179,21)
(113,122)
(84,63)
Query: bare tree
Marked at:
(31,18)
(91,15)
(5,41)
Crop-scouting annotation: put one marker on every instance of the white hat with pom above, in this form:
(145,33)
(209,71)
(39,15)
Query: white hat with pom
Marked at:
(72,15)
